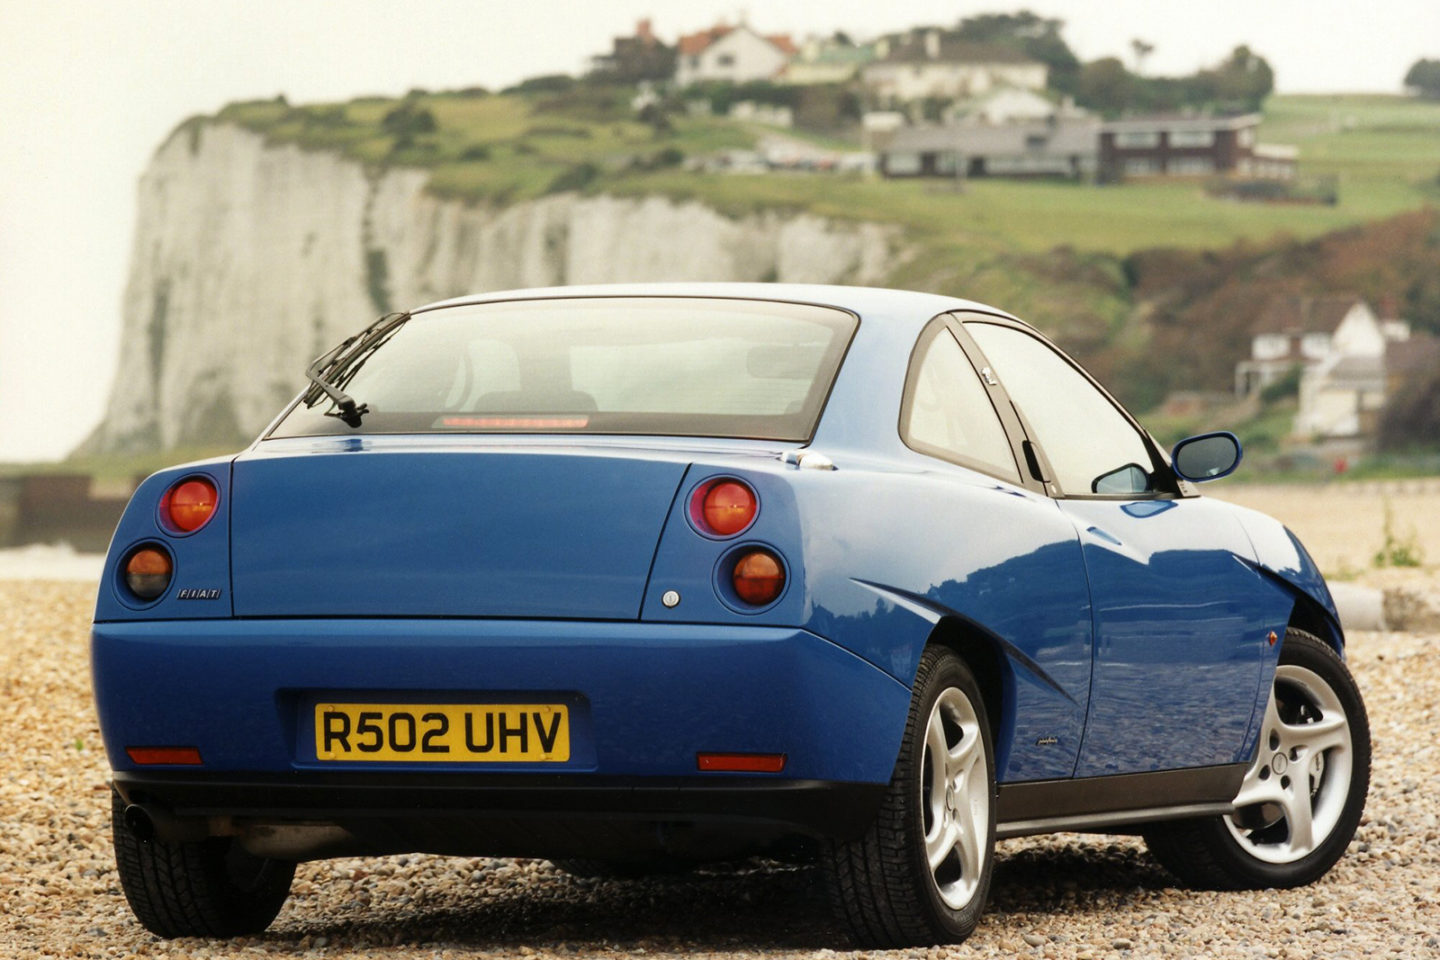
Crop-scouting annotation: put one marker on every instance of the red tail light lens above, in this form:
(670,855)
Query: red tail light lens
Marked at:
(147,572)
(758,577)
(190,504)
(723,508)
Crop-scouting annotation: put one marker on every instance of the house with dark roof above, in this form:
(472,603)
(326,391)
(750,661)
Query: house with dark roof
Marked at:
(935,65)
(636,58)
(1057,148)
(731,54)
(1191,146)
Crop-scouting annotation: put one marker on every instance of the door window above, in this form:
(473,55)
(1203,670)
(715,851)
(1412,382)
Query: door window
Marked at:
(947,412)
(1093,449)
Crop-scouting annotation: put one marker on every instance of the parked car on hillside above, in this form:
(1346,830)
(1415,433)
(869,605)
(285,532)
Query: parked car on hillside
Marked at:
(652,575)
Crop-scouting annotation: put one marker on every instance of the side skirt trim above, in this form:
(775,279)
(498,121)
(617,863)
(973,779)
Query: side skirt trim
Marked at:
(1109,822)
(1097,803)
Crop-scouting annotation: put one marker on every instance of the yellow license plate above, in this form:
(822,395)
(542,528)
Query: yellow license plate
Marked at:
(443,733)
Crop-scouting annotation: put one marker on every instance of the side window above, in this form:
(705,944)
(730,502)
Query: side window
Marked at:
(1092,448)
(947,412)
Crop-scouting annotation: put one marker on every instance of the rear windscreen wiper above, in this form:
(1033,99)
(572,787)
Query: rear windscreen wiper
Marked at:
(332,371)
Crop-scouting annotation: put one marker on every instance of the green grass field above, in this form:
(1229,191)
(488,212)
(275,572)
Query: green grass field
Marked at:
(1384,152)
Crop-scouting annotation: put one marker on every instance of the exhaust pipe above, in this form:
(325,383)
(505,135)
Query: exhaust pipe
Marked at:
(139,822)
(147,823)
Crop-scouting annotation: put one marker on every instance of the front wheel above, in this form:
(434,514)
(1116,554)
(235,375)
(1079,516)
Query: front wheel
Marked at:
(921,873)
(1301,799)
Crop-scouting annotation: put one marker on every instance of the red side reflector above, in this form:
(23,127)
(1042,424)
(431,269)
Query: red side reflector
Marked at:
(741,762)
(188,756)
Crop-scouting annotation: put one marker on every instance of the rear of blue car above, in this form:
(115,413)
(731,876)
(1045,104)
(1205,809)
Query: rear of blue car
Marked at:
(483,632)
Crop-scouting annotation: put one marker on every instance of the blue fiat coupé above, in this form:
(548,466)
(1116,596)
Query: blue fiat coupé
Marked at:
(641,576)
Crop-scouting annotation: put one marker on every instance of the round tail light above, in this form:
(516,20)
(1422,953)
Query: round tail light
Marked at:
(189,504)
(723,508)
(147,572)
(758,577)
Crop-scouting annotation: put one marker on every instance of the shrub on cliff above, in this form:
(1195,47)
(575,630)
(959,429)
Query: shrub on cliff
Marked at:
(409,119)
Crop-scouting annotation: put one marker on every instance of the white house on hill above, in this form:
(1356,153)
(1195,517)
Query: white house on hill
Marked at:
(930,64)
(1341,347)
(734,54)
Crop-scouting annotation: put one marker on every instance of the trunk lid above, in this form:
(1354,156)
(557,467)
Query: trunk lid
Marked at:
(381,528)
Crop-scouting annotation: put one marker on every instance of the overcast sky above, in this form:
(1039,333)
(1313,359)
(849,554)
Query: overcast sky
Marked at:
(89,89)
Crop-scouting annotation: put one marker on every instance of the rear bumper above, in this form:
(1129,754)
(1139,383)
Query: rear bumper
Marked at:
(512,814)
(644,700)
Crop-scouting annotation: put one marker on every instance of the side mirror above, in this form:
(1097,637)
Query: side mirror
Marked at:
(1208,456)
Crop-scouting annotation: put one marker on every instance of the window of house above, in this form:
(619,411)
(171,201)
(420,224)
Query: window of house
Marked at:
(1142,167)
(1268,346)
(1137,139)
(902,164)
(947,411)
(1191,166)
(1093,449)
(725,60)
(1192,138)
(1315,345)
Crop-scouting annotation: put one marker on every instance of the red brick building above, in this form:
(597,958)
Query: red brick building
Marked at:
(1177,146)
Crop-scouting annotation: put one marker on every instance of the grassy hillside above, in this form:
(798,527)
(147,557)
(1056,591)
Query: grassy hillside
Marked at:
(1385,152)
(1053,252)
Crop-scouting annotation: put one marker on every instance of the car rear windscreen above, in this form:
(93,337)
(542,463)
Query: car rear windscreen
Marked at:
(670,366)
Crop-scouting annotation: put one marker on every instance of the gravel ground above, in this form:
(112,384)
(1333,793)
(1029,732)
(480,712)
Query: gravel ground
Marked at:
(1063,896)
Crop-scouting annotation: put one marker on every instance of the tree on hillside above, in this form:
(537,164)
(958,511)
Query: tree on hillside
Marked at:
(1424,78)
(1030,34)
(1411,417)
(1141,49)
(1240,82)
(1104,85)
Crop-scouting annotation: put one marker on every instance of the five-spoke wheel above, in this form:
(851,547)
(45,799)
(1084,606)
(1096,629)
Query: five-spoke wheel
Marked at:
(1302,797)
(955,798)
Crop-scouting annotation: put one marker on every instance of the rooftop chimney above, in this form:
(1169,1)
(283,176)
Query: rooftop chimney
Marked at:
(932,44)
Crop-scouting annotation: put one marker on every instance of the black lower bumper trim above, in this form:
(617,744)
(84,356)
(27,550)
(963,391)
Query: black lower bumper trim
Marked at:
(816,807)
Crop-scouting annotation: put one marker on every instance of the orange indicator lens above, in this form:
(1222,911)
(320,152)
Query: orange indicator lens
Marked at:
(147,572)
(758,577)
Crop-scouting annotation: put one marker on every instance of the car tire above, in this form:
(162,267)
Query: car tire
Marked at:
(1286,831)
(199,888)
(937,810)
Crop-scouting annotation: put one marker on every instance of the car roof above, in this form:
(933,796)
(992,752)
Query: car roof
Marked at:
(906,306)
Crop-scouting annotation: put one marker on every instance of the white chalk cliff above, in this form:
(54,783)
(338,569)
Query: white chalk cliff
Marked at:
(251,258)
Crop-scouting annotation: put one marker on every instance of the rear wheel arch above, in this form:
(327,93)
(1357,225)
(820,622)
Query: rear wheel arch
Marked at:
(988,665)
